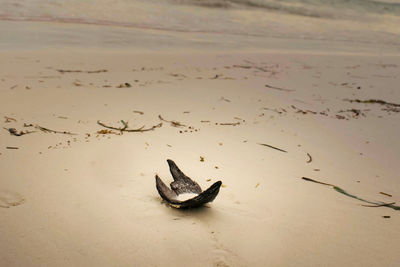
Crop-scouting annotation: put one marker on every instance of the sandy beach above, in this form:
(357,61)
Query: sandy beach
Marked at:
(303,136)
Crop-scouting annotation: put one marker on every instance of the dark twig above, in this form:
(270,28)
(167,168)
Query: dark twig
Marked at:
(309,158)
(373,101)
(14,132)
(224,99)
(46,130)
(9,119)
(379,205)
(386,194)
(77,71)
(173,123)
(229,123)
(280,89)
(125,128)
(273,147)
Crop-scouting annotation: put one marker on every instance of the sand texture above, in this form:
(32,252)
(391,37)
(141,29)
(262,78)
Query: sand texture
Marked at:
(75,193)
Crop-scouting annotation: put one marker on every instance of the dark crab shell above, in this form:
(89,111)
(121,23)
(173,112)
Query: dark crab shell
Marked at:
(183,184)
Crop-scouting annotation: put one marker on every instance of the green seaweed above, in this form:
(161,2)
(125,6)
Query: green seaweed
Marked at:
(340,190)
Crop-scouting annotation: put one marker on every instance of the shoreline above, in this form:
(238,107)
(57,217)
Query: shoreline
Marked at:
(37,35)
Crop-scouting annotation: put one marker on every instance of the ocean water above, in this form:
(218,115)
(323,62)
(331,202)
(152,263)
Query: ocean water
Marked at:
(359,21)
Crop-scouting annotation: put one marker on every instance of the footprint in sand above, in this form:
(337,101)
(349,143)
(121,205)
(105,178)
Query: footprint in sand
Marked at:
(10,199)
(222,255)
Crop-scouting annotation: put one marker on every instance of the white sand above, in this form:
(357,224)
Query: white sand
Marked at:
(90,199)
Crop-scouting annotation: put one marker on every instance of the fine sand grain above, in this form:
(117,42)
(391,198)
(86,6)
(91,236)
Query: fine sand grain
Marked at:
(76,193)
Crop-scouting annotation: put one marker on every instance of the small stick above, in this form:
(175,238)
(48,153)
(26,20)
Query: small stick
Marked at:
(14,132)
(229,123)
(12,147)
(372,101)
(280,89)
(273,147)
(124,129)
(315,181)
(386,194)
(309,158)
(46,130)
(88,71)
(242,66)
(173,123)
(224,99)
(379,205)
(9,119)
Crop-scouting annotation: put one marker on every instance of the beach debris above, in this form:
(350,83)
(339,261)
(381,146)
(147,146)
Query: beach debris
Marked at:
(257,185)
(372,101)
(47,130)
(124,85)
(9,119)
(276,110)
(78,71)
(240,119)
(242,66)
(309,158)
(77,83)
(138,111)
(298,110)
(178,75)
(227,123)
(273,147)
(201,159)
(125,127)
(386,194)
(204,121)
(279,88)
(173,123)
(107,131)
(340,117)
(12,147)
(386,216)
(356,112)
(340,190)
(184,192)
(14,132)
(389,107)
(379,205)
(224,99)
(14,86)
